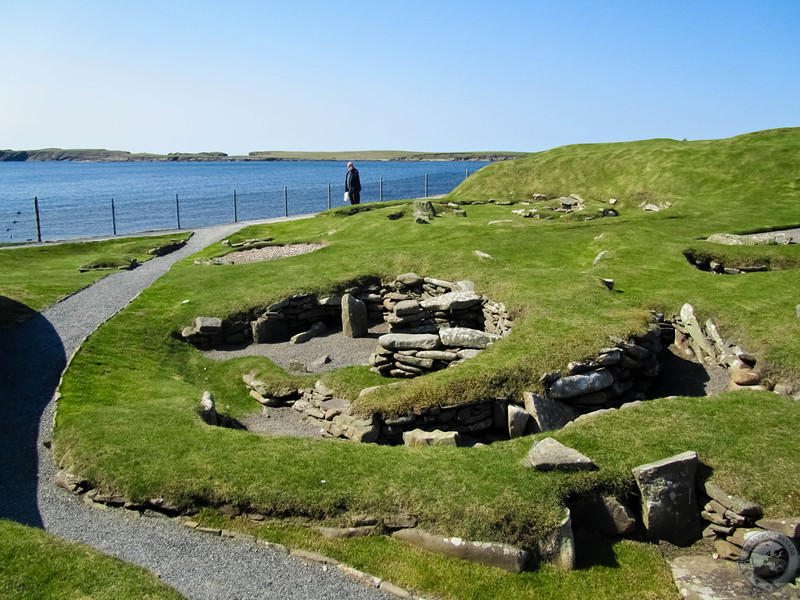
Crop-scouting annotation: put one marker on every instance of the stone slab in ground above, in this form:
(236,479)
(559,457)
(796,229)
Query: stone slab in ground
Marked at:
(703,578)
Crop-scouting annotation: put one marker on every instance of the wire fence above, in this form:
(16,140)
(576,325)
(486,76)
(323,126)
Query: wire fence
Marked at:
(50,219)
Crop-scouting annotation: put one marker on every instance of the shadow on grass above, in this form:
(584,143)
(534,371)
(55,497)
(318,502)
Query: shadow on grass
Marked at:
(32,358)
(593,550)
(12,312)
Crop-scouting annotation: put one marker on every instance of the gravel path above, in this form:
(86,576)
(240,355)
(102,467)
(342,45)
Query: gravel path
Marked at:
(32,356)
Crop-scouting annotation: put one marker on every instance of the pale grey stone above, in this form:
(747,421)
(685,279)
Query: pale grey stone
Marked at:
(208,409)
(407,307)
(740,506)
(438,355)
(463,337)
(419,437)
(354,317)
(409,341)
(452,301)
(424,208)
(577,385)
(599,257)
(551,455)
(695,331)
(517,421)
(503,556)
(669,501)
(548,414)
(414,361)
(558,548)
(448,285)
(410,279)
(208,325)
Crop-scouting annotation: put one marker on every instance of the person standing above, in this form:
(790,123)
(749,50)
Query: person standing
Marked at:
(352,184)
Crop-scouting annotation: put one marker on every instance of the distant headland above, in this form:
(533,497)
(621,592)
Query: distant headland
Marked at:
(100,155)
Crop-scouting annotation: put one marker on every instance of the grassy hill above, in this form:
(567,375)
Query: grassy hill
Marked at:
(142,437)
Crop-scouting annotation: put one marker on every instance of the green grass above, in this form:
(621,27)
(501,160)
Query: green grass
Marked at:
(143,438)
(36,565)
(32,278)
(606,569)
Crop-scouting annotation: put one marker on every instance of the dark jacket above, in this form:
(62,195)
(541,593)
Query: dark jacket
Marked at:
(352,183)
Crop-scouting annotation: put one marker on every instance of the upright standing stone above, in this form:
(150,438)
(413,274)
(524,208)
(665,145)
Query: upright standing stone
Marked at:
(549,414)
(558,547)
(669,500)
(354,317)
(208,408)
(517,421)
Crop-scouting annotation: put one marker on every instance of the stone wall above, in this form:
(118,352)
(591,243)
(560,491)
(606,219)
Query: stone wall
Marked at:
(617,375)
(433,324)
(705,344)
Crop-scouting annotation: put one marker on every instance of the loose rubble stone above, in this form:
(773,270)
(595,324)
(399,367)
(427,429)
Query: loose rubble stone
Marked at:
(551,455)
(790,526)
(317,329)
(738,505)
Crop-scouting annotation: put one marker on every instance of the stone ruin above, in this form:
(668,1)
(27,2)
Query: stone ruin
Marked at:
(432,323)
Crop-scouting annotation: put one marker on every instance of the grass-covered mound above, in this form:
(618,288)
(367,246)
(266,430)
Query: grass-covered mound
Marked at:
(127,420)
(35,565)
(34,277)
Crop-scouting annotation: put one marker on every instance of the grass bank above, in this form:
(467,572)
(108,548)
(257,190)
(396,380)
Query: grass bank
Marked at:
(127,420)
(35,565)
(32,278)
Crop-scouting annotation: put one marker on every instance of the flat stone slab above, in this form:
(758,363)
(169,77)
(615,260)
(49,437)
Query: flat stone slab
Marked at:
(578,385)
(703,578)
(551,455)
(740,506)
(494,554)
(464,337)
(409,341)
(452,301)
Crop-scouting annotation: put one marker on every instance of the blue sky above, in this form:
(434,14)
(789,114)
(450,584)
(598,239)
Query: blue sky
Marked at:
(431,75)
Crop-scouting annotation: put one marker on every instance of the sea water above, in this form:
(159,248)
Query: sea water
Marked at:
(95,199)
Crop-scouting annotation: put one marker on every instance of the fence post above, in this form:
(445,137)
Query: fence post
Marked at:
(285,201)
(113,217)
(38,224)
(329,196)
(178,210)
(426,185)
(235,215)
(380,189)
